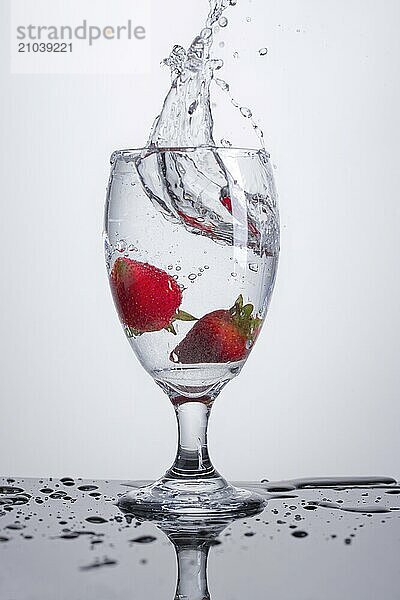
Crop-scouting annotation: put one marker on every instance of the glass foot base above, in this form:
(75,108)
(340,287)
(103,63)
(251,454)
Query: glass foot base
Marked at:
(194,499)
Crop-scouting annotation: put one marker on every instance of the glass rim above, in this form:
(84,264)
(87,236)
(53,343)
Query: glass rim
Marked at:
(133,152)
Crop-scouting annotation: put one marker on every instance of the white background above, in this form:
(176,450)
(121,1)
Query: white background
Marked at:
(320,395)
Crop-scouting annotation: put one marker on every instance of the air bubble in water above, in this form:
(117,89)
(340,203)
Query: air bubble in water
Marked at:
(226,143)
(174,357)
(222,44)
(246,112)
(236,55)
(121,246)
(263,51)
(253,267)
(131,248)
(192,276)
(249,344)
(248,19)
(233,2)
(178,268)
(223,22)
(206,267)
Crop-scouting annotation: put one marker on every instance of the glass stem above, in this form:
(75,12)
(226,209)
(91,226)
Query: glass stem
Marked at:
(192,459)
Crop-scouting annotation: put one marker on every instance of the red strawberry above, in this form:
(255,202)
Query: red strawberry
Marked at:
(225,199)
(220,336)
(147,298)
(227,202)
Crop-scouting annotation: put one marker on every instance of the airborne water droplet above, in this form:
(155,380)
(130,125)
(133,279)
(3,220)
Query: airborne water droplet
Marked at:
(217,64)
(206,33)
(246,112)
(222,84)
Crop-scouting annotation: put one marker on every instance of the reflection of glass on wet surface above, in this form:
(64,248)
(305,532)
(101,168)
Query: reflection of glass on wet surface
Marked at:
(322,538)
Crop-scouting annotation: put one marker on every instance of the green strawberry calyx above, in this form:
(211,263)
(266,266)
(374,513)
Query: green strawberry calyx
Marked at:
(180,315)
(242,316)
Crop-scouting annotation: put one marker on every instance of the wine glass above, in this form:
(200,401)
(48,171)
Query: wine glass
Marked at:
(192,246)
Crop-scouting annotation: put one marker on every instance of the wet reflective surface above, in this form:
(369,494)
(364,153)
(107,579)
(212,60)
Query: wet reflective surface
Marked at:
(316,539)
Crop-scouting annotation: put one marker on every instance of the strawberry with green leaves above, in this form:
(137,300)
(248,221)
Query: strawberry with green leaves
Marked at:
(221,336)
(147,298)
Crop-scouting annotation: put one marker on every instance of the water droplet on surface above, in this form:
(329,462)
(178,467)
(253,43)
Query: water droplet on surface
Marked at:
(7,489)
(88,488)
(299,534)
(106,562)
(15,526)
(97,520)
(144,539)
